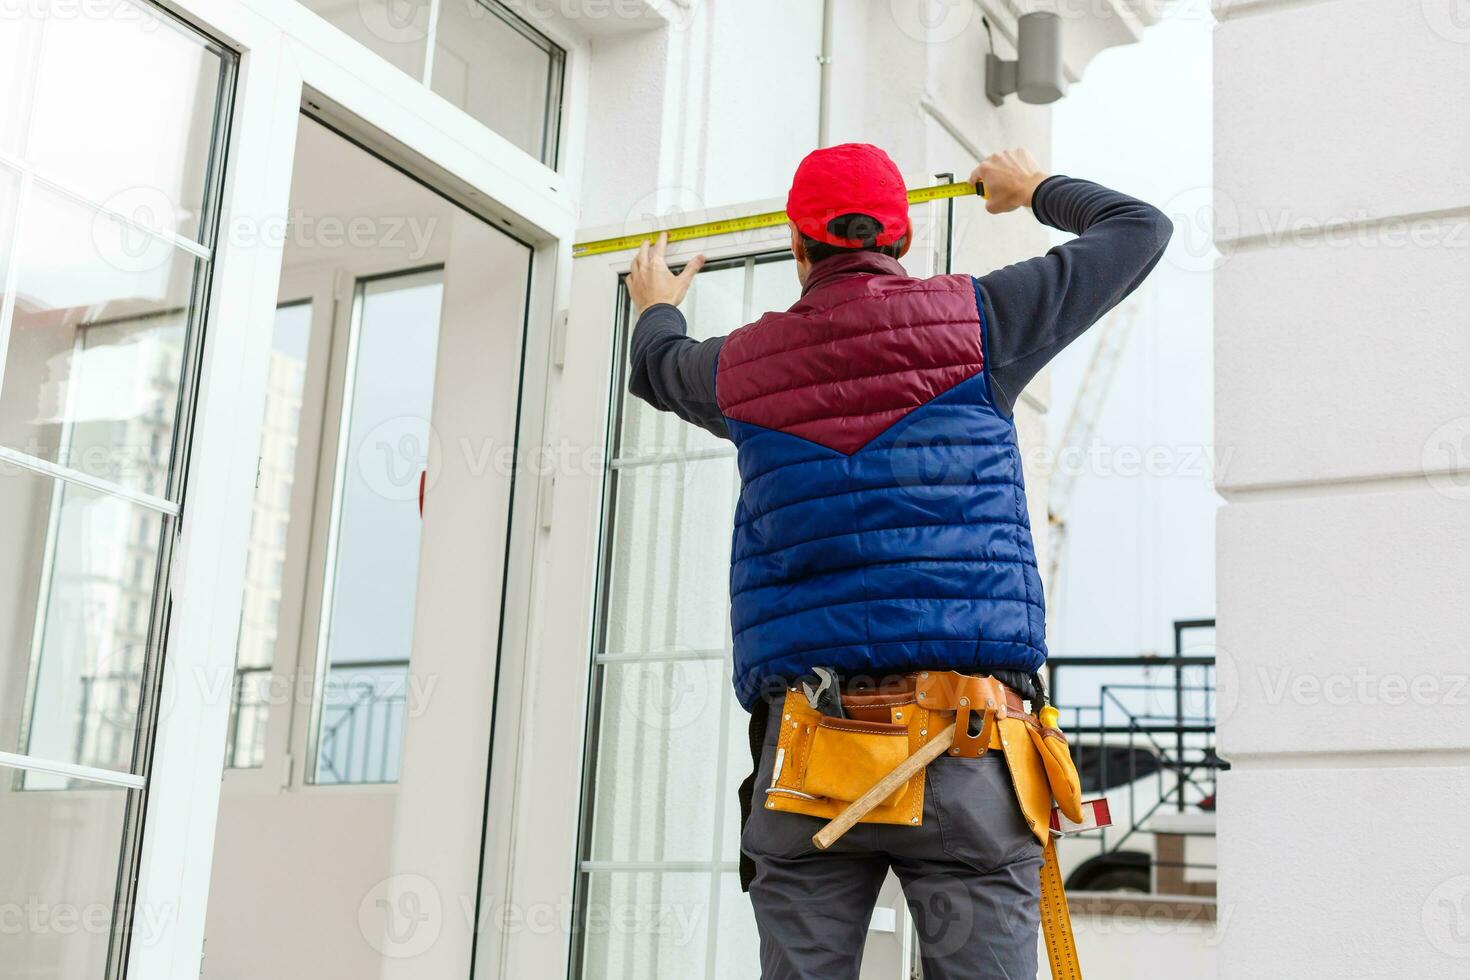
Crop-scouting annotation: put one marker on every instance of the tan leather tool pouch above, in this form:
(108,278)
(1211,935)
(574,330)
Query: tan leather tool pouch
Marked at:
(1028,776)
(1061,773)
(825,763)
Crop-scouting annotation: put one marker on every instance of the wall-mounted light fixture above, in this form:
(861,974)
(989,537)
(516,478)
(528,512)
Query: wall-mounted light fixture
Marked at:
(1037,75)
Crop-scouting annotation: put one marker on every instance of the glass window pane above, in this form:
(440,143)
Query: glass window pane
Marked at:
(715,306)
(97,344)
(140,142)
(657,753)
(395,30)
(59,859)
(260,610)
(375,551)
(773,287)
(499,70)
(670,571)
(670,746)
(76,604)
(641,924)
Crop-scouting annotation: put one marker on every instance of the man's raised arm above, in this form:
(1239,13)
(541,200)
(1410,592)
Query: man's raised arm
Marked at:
(1035,308)
(666,368)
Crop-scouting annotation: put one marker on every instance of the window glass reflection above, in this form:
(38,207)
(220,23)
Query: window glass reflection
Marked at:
(96,350)
(265,563)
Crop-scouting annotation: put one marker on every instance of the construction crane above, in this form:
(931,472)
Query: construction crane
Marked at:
(1092,394)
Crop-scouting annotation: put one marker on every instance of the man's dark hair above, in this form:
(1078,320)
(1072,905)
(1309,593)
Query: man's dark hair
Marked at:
(862,227)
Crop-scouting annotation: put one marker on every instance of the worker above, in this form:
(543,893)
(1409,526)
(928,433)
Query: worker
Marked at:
(881,531)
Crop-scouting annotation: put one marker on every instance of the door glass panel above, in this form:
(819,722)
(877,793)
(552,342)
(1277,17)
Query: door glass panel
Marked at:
(76,608)
(59,860)
(669,740)
(260,609)
(374,551)
(112,135)
(96,350)
(497,68)
(136,141)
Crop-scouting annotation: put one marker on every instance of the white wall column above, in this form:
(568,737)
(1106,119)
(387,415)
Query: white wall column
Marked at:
(1343,423)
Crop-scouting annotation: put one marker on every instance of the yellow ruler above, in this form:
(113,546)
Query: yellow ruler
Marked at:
(771,219)
(1056,920)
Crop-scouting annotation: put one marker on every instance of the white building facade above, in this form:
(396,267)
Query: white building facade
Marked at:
(1341,195)
(318,469)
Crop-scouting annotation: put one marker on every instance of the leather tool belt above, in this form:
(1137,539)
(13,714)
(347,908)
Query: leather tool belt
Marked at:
(823,762)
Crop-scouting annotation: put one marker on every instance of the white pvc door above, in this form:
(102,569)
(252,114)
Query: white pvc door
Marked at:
(666,742)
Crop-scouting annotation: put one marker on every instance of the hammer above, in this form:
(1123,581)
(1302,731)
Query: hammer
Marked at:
(882,789)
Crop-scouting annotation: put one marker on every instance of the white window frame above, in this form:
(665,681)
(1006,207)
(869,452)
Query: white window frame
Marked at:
(316,287)
(290,58)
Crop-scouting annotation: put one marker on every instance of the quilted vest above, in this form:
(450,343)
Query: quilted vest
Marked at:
(882,525)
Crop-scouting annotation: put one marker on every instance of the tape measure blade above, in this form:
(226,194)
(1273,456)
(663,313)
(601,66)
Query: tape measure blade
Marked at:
(768,219)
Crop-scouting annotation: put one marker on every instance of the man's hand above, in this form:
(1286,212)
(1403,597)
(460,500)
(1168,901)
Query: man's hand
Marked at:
(650,281)
(1011,177)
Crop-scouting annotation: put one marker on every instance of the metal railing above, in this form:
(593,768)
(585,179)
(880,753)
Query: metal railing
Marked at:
(1144,730)
(249,713)
(361,721)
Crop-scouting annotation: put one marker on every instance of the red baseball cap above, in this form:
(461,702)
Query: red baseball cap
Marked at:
(851,178)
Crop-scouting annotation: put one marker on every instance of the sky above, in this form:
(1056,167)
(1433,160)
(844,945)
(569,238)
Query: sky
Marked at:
(1139,549)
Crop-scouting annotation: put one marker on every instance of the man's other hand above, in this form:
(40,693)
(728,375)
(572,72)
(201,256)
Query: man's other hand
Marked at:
(649,280)
(1011,177)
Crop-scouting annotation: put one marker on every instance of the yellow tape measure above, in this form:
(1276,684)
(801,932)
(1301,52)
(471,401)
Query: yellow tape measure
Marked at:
(770,219)
(1056,919)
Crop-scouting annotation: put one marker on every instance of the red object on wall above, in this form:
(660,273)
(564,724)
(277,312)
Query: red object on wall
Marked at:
(423,477)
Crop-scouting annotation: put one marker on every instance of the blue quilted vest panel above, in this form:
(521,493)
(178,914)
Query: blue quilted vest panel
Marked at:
(912,551)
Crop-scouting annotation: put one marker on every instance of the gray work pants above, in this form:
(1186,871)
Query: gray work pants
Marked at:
(970,877)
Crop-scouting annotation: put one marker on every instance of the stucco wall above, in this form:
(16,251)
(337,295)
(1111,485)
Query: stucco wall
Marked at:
(1343,189)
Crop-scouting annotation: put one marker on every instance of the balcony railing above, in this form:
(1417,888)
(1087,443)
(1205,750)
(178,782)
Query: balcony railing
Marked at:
(1142,730)
(361,721)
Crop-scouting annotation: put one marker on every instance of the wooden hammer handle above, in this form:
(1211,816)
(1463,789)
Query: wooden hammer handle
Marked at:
(882,789)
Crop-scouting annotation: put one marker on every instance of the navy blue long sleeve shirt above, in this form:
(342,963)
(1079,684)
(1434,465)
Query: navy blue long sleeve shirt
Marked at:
(1033,309)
